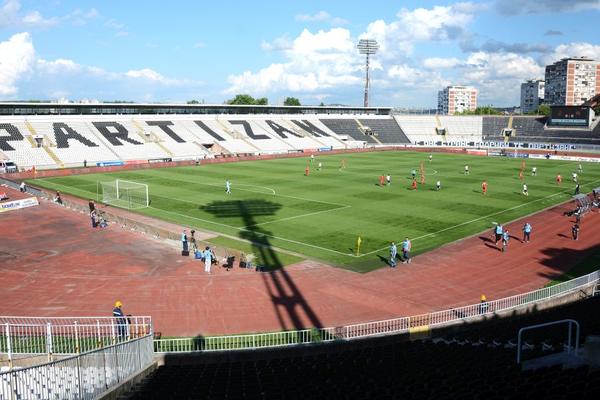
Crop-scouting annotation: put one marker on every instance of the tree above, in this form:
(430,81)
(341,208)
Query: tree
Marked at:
(193,102)
(487,110)
(597,110)
(543,109)
(291,101)
(246,99)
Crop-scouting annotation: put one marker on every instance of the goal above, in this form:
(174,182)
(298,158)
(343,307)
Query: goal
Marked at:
(124,194)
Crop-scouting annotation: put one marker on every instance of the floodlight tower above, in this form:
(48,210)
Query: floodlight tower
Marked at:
(367,47)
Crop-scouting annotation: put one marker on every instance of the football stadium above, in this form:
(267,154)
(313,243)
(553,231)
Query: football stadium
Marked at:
(187,250)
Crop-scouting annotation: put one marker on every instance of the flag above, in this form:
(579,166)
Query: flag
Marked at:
(358,242)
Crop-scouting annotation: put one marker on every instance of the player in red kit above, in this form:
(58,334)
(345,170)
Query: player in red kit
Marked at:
(382,180)
(414,184)
(484,187)
(558,179)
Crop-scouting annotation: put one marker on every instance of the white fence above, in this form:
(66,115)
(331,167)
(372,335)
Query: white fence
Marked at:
(84,376)
(70,335)
(391,326)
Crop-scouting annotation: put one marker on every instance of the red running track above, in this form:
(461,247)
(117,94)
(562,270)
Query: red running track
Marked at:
(52,263)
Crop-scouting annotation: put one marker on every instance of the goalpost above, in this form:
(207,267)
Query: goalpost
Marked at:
(125,194)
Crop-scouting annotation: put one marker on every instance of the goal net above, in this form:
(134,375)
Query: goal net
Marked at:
(125,194)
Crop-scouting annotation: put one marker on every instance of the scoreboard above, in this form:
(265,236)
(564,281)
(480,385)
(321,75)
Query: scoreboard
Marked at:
(570,116)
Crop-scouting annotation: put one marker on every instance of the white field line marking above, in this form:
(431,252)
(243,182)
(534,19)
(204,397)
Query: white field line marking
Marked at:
(298,216)
(249,230)
(264,187)
(476,219)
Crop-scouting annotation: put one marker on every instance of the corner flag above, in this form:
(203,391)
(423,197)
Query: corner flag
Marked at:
(358,242)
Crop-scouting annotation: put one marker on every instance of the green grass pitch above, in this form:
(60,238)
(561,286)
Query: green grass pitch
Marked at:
(321,215)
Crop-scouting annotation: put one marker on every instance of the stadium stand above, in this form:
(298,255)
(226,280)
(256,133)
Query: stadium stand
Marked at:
(462,128)
(68,140)
(478,362)
(419,128)
(386,130)
(492,127)
(347,127)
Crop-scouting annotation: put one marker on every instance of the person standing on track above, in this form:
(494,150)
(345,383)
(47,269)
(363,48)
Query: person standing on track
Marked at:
(505,238)
(208,256)
(526,232)
(498,231)
(406,247)
(575,232)
(393,254)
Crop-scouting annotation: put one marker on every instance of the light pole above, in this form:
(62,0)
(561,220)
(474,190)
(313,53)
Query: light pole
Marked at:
(367,47)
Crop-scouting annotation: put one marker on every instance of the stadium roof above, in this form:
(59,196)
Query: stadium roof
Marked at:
(35,108)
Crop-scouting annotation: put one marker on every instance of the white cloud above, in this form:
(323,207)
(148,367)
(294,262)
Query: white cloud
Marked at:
(199,45)
(23,75)
(314,61)
(321,16)
(575,50)
(59,65)
(17,56)
(10,15)
(439,23)
(279,44)
(441,63)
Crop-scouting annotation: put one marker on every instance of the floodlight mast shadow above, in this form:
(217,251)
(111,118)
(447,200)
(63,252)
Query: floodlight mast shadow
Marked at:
(367,47)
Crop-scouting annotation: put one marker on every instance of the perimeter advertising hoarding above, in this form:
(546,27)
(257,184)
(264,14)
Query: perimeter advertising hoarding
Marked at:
(18,204)
(570,116)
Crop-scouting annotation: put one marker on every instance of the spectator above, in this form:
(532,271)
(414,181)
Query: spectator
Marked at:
(184,243)
(22,187)
(120,320)
(94,219)
(57,198)
(406,247)
(526,232)
(505,238)
(193,241)
(484,306)
(208,257)
(84,163)
(575,232)
(91,205)
(393,255)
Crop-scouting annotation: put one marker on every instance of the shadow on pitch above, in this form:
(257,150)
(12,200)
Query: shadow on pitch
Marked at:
(291,308)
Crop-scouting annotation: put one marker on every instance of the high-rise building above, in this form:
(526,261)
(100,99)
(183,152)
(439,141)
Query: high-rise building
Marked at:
(572,81)
(457,99)
(532,95)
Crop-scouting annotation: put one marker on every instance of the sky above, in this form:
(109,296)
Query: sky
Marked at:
(175,51)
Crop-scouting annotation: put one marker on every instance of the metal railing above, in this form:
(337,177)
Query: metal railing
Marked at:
(569,322)
(69,335)
(83,376)
(376,328)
